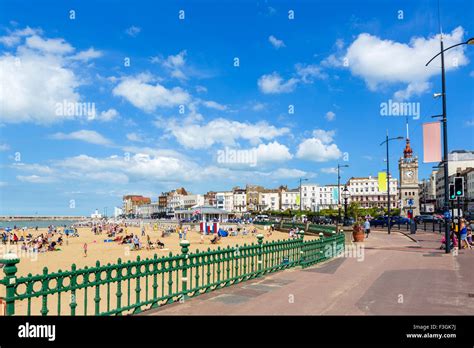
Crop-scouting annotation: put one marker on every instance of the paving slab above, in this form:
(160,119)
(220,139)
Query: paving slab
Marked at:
(393,275)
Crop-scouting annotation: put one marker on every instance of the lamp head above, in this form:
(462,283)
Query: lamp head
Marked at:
(470,41)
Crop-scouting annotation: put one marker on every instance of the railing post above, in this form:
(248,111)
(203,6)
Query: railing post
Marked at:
(301,238)
(10,260)
(259,253)
(321,247)
(184,278)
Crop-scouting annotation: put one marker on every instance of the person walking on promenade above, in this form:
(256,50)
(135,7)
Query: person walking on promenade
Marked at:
(367,228)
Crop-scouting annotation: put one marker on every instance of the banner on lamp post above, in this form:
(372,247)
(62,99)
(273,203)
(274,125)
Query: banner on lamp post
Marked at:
(382,181)
(431,142)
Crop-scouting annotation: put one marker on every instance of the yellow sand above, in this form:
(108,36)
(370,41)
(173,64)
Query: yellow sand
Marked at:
(98,250)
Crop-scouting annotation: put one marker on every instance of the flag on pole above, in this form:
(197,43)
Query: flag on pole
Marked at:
(298,199)
(431,142)
(382,181)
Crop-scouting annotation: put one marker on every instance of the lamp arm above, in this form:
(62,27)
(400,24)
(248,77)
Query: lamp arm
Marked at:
(459,44)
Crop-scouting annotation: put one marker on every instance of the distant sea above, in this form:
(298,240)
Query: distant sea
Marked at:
(34,223)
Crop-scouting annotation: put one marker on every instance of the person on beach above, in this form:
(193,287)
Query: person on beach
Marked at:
(143,231)
(85,249)
(367,228)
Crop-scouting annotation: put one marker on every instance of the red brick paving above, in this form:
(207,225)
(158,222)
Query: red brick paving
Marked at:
(396,276)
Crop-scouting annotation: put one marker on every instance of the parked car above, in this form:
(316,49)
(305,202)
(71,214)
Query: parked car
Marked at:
(419,219)
(379,221)
(322,220)
(400,220)
(348,221)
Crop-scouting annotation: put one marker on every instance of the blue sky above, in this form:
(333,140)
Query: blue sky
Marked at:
(335,63)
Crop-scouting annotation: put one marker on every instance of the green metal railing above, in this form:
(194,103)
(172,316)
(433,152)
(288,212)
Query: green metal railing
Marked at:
(134,286)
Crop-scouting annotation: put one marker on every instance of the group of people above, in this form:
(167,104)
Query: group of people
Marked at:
(293,233)
(465,235)
(49,241)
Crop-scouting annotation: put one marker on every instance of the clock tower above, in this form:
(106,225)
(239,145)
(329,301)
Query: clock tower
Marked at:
(408,168)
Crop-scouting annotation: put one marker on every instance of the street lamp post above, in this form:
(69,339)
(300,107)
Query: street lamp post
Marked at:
(445,133)
(387,139)
(339,190)
(345,195)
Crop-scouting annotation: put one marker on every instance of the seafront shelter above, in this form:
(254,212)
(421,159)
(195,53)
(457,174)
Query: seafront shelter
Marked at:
(202,213)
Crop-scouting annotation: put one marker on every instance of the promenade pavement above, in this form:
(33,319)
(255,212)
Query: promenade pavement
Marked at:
(394,275)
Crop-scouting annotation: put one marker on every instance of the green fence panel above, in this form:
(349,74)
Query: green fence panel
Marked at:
(134,286)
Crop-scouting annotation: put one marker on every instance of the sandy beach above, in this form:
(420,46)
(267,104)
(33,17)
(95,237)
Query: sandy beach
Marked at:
(109,252)
(105,252)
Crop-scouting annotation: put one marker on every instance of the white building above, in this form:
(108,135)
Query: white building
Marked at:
(240,200)
(470,185)
(269,200)
(225,200)
(117,212)
(96,215)
(146,210)
(457,161)
(315,197)
(190,201)
(289,199)
(365,191)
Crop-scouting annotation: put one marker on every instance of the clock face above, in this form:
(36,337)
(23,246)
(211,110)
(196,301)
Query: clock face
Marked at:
(409,175)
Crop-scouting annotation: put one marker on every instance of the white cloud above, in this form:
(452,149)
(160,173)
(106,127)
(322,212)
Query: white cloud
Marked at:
(143,94)
(214,105)
(35,179)
(385,62)
(39,76)
(4,147)
(272,152)
(87,55)
(330,116)
(134,137)
(109,115)
(258,106)
(329,170)
(196,136)
(319,148)
(54,46)
(174,63)
(14,37)
(36,83)
(88,136)
(287,173)
(133,31)
(274,84)
(309,72)
(326,137)
(275,42)
(37,168)
(304,73)
(201,89)
(139,166)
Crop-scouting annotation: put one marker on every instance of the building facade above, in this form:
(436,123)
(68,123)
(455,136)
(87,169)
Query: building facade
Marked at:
(240,200)
(409,187)
(458,161)
(269,200)
(365,191)
(289,199)
(225,201)
(252,196)
(132,202)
